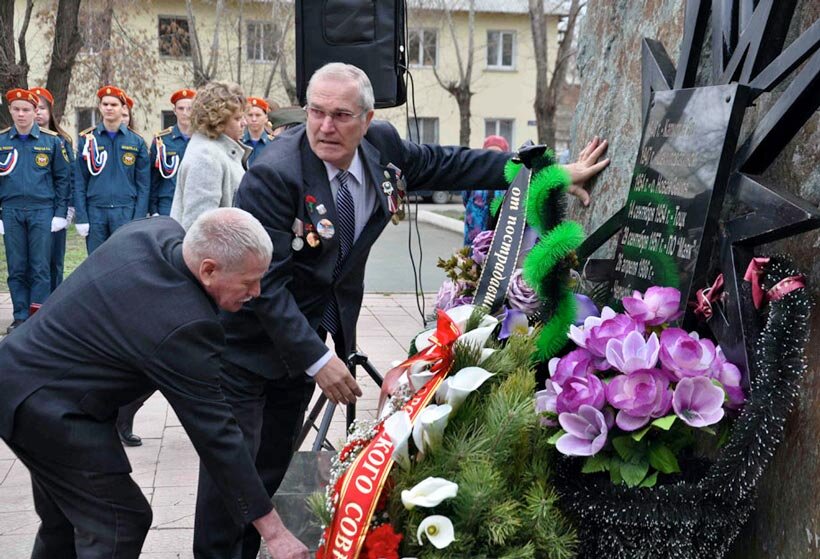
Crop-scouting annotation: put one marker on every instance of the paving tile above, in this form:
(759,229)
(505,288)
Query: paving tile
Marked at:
(174,495)
(172,540)
(172,478)
(20,523)
(15,499)
(15,546)
(5,467)
(173,516)
(5,452)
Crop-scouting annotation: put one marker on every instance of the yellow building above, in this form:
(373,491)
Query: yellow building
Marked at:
(150,56)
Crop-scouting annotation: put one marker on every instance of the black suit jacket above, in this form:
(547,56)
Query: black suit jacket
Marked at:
(275,334)
(132,318)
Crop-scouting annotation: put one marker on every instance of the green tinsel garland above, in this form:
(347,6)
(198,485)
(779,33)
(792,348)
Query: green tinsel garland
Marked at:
(702,514)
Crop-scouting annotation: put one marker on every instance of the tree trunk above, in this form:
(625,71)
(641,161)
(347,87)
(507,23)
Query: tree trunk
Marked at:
(287,83)
(67,44)
(106,67)
(463,99)
(13,72)
(538,23)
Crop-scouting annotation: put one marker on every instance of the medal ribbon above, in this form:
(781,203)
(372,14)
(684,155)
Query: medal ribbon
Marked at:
(7,166)
(166,169)
(94,158)
(359,489)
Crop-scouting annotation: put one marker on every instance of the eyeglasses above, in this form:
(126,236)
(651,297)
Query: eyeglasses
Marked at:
(340,117)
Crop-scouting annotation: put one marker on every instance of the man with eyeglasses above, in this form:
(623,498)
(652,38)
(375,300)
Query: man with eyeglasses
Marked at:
(324,192)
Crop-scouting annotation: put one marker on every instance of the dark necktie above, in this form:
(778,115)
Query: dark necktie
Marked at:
(346,210)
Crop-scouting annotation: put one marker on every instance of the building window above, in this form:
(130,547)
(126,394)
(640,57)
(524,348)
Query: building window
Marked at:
(86,118)
(499,127)
(174,39)
(501,49)
(168,119)
(261,41)
(422,47)
(425,133)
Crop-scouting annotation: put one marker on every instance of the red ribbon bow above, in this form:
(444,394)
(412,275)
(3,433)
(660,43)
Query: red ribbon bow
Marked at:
(706,296)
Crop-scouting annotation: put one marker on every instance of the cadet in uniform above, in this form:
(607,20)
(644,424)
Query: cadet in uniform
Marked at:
(167,150)
(45,119)
(112,177)
(34,187)
(256,137)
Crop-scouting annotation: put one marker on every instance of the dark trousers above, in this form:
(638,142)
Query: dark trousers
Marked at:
(103,222)
(85,515)
(270,414)
(164,205)
(125,415)
(28,251)
(57,258)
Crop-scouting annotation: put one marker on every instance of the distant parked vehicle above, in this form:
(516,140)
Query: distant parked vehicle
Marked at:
(435,196)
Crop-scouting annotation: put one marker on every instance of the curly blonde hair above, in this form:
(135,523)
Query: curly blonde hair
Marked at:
(214,104)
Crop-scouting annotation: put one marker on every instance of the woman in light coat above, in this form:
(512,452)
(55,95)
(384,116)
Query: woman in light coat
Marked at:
(214,160)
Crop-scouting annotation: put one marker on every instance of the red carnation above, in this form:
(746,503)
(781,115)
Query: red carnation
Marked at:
(381,543)
(310,199)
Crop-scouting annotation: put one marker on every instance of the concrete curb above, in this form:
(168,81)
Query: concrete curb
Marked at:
(441,221)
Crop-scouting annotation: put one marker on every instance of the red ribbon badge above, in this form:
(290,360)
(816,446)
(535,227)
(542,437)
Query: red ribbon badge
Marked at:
(357,492)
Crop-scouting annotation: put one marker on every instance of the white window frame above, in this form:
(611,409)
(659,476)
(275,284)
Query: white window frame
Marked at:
(424,122)
(498,63)
(496,124)
(423,32)
(260,38)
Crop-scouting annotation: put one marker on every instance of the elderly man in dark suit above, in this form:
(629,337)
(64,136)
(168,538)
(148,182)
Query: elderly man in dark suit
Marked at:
(324,192)
(96,345)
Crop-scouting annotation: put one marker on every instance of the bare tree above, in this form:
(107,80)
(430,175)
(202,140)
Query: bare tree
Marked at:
(548,91)
(66,46)
(203,73)
(13,72)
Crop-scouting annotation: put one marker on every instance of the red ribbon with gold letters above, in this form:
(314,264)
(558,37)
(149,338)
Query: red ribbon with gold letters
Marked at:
(358,490)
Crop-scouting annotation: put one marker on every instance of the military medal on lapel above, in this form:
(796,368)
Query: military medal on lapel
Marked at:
(298,242)
(397,197)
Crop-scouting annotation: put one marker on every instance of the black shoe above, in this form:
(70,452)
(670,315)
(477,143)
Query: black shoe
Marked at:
(130,439)
(17,322)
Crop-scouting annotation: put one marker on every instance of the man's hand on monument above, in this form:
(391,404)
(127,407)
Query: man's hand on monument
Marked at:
(337,383)
(280,542)
(586,167)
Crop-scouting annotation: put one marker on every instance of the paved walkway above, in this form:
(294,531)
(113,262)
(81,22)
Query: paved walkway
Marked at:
(166,466)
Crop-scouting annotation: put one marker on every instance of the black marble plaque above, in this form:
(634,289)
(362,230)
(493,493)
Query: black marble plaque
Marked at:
(677,189)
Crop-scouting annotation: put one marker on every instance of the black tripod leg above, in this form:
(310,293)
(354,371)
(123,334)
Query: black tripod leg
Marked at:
(310,422)
(324,427)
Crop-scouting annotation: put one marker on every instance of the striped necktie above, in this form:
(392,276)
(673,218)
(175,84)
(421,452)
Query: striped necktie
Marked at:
(346,210)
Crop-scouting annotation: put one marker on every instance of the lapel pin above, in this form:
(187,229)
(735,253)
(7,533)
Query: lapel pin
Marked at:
(387,187)
(326,229)
(312,240)
(298,227)
(311,202)
(386,174)
(297,244)
(321,209)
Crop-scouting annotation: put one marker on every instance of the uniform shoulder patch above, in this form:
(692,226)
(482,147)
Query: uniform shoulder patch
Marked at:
(165,132)
(6,129)
(49,132)
(271,136)
(87,130)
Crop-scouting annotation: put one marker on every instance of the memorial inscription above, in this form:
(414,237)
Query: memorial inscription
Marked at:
(678,184)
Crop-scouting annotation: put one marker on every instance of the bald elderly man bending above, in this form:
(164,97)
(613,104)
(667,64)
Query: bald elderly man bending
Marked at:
(139,314)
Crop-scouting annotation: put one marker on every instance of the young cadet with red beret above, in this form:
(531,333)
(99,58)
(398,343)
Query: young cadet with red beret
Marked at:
(112,176)
(34,188)
(167,151)
(256,137)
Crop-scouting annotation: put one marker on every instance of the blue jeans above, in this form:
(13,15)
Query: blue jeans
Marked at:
(164,206)
(103,222)
(28,253)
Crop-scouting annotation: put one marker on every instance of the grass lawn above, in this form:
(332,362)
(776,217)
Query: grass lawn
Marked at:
(455,214)
(75,253)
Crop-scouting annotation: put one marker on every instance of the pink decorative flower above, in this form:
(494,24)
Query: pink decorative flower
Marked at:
(451,294)
(520,295)
(639,396)
(616,328)
(698,402)
(686,355)
(586,432)
(481,246)
(576,363)
(579,391)
(729,376)
(633,352)
(546,402)
(579,334)
(656,306)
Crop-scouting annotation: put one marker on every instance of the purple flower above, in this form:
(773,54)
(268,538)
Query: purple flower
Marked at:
(686,355)
(481,246)
(586,432)
(546,402)
(462,300)
(584,307)
(633,352)
(450,294)
(515,322)
(529,240)
(576,363)
(520,295)
(616,328)
(729,376)
(698,402)
(639,396)
(579,335)
(587,390)
(656,306)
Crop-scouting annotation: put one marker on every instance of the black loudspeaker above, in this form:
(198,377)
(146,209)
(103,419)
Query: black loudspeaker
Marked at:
(369,34)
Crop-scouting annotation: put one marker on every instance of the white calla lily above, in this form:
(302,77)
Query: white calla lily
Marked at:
(399,428)
(477,337)
(438,529)
(429,428)
(461,314)
(423,340)
(441,391)
(419,374)
(464,382)
(485,354)
(429,493)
